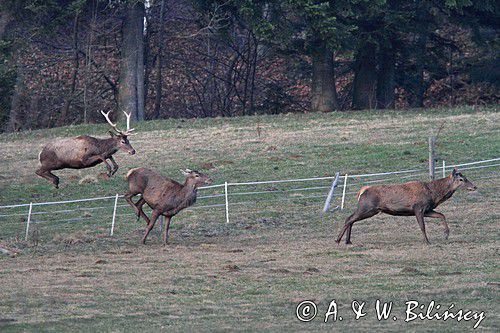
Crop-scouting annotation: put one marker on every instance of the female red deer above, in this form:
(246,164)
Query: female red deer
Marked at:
(165,196)
(415,198)
(83,152)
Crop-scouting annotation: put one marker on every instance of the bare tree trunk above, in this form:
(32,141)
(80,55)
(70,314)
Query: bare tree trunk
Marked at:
(159,63)
(32,111)
(5,19)
(254,69)
(76,65)
(324,94)
(365,77)
(18,99)
(386,83)
(147,51)
(89,60)
(420,51)
(131,94)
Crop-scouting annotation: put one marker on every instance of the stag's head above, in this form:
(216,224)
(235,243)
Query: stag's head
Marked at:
(460,180)
(196,178)
(120,136)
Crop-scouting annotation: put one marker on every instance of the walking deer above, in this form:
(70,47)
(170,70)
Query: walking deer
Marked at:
(414,198)
(84,152)
(165,196)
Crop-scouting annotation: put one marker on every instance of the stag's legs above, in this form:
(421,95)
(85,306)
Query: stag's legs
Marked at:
(356,216)
(115,166)
(151,224)
(165,229)
(420,218)
(93,159)
(438,215)
(49,176)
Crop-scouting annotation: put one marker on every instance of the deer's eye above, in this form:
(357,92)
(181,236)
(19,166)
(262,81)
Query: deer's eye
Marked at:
(197,176)
(461,179)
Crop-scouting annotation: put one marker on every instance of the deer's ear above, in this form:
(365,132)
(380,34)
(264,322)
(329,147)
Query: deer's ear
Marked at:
(454,173)
(184,172)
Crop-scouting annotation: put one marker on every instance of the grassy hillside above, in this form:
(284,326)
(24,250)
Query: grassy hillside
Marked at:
(278,248)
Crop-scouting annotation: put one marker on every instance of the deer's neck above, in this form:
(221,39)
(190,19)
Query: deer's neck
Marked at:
(109,146)
(188,194)
(441,189)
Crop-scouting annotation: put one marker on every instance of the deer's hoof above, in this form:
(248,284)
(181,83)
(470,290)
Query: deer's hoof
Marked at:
(348,243)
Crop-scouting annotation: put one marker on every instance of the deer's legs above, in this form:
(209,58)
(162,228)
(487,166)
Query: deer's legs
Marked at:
(150,226)
(49,176)
(140,212)
(137,206)
(95,158)
(356,216)
(420,219)
(438,215)
(115,166)
(165,229)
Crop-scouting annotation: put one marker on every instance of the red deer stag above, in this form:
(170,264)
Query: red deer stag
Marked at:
(165,196)
(415,198)
(84,152)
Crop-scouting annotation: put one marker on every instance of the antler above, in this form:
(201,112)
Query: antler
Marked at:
(128,131)
(106,115)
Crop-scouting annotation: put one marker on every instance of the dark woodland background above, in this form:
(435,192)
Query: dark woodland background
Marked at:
(62,61)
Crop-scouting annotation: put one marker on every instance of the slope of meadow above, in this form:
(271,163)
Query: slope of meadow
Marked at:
(276,251)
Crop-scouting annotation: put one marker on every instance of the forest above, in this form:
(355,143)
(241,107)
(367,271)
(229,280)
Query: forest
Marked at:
(63,61)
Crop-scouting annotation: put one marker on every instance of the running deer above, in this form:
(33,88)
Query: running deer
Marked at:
(165,196)
(84,152)
(414,198)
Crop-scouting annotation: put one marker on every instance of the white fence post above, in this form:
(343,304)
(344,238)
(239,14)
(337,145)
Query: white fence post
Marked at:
(343,192)
(330,193)
(114,216)
(227,202)
(444,168)
(28,222)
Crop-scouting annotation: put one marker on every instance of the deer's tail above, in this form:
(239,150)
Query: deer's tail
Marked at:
(361,191)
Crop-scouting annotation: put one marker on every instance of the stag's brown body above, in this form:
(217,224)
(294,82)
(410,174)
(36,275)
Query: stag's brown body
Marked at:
(165,196)
(83,152)
(415,198)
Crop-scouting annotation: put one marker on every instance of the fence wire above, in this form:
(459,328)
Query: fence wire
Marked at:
(53,217)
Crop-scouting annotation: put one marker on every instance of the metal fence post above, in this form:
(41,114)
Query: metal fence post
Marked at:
(114,216)
(444,168)
(160,221)
(227,202)
(28,222)
(432,157)
(343,192)
(330,193)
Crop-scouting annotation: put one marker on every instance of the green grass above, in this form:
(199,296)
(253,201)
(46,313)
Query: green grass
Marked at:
(278,249)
